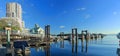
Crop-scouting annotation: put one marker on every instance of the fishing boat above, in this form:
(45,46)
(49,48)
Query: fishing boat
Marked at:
(118,35)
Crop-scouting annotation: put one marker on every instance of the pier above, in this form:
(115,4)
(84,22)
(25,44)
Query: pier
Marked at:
(36,40)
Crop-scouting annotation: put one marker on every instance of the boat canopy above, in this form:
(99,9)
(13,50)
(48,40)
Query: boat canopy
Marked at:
(19,44)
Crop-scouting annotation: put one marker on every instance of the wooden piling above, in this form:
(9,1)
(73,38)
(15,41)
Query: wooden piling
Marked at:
(72,40)
(62,39)
(82,43)
(47,36)
(76,34)
(86,41)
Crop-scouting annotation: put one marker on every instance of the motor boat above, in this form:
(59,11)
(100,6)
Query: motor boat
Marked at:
(118,35)
(21,47)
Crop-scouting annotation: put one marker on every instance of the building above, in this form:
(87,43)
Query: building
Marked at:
(37,30)
(14,10)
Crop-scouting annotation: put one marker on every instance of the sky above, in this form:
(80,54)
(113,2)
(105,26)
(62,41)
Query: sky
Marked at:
(96,16)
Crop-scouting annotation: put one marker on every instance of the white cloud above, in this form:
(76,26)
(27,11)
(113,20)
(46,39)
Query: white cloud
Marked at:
(82,9)
(87,16)
(62,26)
(115,13)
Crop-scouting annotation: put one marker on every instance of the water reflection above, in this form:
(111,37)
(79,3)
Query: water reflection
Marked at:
(47,50)
(118,51)
(61,43)
(73,46)
(68,48)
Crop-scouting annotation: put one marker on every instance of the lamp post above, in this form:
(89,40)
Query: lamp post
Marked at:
(8,29)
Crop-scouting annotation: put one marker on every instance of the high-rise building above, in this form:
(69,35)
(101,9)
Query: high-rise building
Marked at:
(14,10)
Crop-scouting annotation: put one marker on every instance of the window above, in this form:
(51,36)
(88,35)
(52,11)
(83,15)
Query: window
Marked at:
(12,14)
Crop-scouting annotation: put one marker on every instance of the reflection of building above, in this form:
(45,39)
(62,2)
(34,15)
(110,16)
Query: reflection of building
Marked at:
(14,10)
(37,30)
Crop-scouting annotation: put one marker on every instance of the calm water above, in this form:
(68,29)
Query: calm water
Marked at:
(105,47)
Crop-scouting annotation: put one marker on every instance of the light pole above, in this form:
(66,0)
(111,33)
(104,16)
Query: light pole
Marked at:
(8,29)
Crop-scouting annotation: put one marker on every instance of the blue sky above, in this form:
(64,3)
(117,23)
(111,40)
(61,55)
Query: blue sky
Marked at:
(94,15)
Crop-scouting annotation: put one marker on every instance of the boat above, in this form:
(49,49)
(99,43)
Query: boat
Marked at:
(21,47)
(66,38)
(118,35)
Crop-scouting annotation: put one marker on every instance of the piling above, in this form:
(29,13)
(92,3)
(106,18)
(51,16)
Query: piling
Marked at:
(86,42)
(82,43)
(86,36)
(48,32)
(76,34)
(47,36)
(62,39)
(72,40)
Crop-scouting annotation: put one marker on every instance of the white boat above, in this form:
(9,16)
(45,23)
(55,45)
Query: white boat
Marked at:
(118,35)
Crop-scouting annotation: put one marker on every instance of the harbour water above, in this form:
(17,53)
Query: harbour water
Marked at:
(101,47)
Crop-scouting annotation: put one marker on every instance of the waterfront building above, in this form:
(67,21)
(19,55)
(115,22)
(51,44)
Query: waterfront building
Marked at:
(14,11)
(37,30)
(14,17)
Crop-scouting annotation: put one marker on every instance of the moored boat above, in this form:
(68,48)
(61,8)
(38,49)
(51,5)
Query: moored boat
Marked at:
(21,47)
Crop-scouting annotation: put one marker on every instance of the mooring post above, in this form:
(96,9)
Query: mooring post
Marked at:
(86,41)
(48,39)
(45,38)
(76,39)
(47,34)
(48,31)
(82,43)
(72,40)
(63,39)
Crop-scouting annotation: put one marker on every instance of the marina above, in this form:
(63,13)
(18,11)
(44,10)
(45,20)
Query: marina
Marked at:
(99,47)
(19,47)
(59,28)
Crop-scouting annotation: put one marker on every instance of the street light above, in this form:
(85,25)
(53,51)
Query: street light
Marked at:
(8,29)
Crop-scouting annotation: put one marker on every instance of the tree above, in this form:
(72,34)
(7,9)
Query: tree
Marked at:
(5,21)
